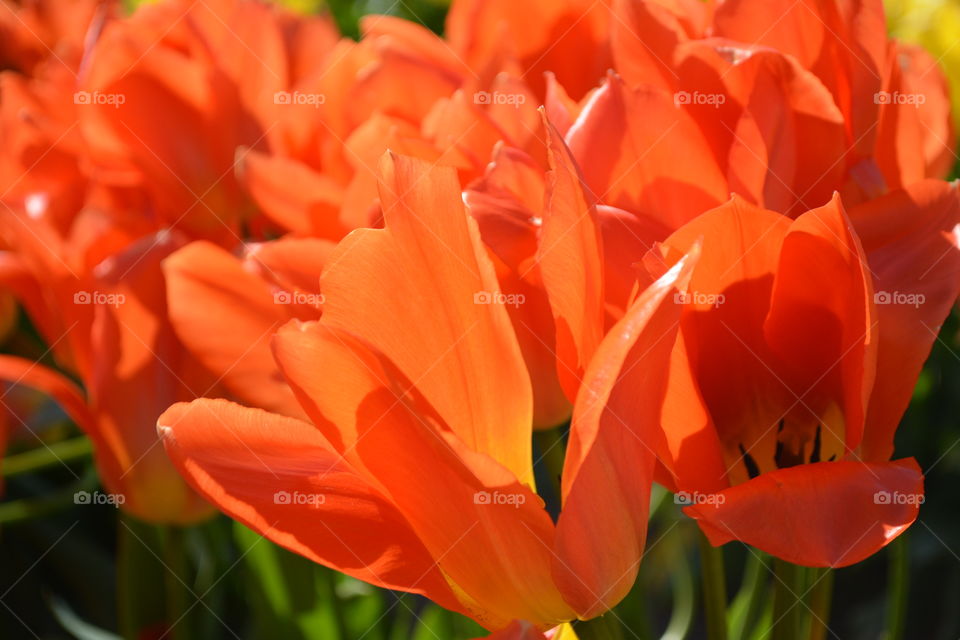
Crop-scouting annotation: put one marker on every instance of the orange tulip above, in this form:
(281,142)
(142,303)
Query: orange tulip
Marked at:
(172,95)
(799,345)
(106,323)
(418,458)
(796,99)
(322,179)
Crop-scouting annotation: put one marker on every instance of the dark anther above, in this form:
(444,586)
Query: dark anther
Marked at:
(832,458)
(752,469)
(784,458)
(815,454)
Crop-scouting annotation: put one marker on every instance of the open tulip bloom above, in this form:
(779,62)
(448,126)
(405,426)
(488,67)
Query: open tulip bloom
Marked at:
(415,470)
(442,313)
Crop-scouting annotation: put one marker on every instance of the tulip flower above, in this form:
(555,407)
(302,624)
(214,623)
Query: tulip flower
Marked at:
(416,460)
(172,92)
(799,345)
(795,102)
(105,321)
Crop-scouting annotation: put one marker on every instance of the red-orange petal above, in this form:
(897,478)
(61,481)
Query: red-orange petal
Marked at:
(463,505)
(912,241)
(608,470)
(280,477)
(570,257)
(225,316)
(827,514)
(423,291)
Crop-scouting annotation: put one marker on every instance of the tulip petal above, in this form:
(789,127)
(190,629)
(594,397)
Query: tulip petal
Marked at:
(463,505)
(139,369)
(423,292)
(281,478)
(611,452)
(33,374)
(822,325)
(293,196)
(570,257)
(827,514)
(911,238)
(225,316)
(640,151)
(729,297)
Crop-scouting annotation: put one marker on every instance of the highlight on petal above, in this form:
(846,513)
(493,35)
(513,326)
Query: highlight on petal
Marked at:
(570,258)
(462,504)
(641,151)
(424,293)
(608,470)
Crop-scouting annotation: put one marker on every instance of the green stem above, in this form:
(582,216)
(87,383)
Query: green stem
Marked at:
(51,455)
(16,511)
(789,587)
(140,602)
(821,596)
(605,627)
(714,589)
(551,452)
(339,619)
(749,601)
(175,583)
(684,592)
(898,577)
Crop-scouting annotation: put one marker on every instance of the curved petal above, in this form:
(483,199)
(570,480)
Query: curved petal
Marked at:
(912,241)
(642,152)
(822,325)
(828,514)
(462,504)
(139,369)
(17,370)
(507,204)
(281,478)
(292,195)
(729,298)
(844,44)
(570,257)
(225,316)
(423,292)
(608,470)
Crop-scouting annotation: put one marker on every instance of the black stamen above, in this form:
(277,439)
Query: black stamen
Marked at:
(752,469)
(832,458)
(815,454)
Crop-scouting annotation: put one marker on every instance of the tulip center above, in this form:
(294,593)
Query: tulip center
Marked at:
(795,439)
